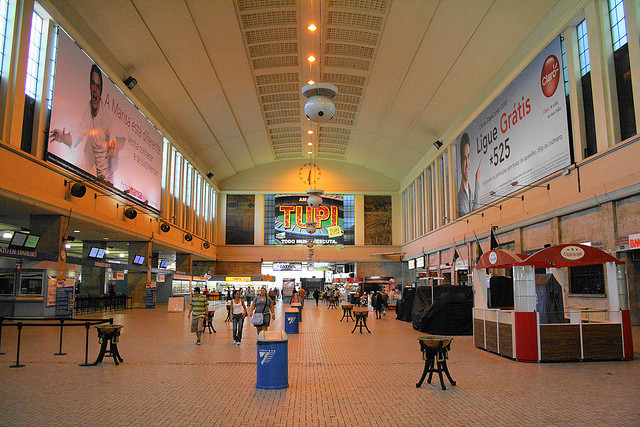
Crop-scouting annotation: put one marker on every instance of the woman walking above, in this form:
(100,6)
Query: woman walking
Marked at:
(239,312)
(265,305)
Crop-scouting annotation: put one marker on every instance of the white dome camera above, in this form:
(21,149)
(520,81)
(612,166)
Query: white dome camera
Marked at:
(319,108)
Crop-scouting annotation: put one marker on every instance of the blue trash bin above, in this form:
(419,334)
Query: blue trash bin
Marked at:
(291,321)
(298,306)
(273,360)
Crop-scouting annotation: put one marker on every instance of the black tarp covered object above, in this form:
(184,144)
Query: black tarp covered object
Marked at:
(549,295)
(450,314)
(405,305)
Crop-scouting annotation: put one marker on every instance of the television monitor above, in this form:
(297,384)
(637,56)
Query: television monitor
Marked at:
(93,252)
(101,253)
(411,264)
(164,263)
(32,241)
(138,259)
(18,239)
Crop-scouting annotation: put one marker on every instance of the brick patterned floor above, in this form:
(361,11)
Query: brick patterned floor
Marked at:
(336,379)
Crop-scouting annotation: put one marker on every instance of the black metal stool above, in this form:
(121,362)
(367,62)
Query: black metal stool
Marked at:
(109,334)
(333,302)
(208,322)
(347,309)
(435,352)
(361,319)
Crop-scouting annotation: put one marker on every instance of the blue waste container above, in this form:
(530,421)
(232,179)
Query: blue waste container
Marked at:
(273,360)
(298,306)
(291,321)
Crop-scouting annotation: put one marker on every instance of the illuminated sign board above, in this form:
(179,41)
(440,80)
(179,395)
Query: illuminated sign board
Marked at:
(292,214)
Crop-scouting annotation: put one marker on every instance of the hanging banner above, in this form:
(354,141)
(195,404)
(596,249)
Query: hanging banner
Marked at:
(292,214)
(95,130)
(520,138)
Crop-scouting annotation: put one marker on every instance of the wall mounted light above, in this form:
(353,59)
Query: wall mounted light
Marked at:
(206,245)
(130,213)
(210,175)
(130,82)
(437,144)
(165,227)
(188,237)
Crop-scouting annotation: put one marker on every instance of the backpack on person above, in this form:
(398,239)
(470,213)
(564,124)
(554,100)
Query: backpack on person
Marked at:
(374,300)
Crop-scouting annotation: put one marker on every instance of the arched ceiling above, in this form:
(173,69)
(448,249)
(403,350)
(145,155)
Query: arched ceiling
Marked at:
(222,78)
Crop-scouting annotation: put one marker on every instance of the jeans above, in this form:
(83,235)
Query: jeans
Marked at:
(238,323)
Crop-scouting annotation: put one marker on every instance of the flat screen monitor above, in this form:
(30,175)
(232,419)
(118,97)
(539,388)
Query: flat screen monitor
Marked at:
(18,239)
(164,263)
(32,241)
(93,252)
(138,259)
(101,253)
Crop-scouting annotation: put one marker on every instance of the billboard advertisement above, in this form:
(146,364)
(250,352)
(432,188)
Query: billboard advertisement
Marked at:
(292,214)
(520,138)
(96,131)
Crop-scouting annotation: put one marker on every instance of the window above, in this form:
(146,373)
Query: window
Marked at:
(583,48)
(587,279)
(33,61)
(624,88)
(269,219)
(349,202)
(587,96)
(565,75)
(4,19)
(7,283)
(52,70)
(31,283)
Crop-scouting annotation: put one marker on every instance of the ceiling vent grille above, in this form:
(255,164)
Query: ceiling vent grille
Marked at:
(379,6)
(358,20)
(268,89)
(277,78)
(283,48)
(352,36)
(275,62)
(277,18)
(342,49)
(282,96)
(244,5)
(340,62)
(269,35)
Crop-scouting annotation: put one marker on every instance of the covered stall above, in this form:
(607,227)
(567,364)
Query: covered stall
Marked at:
(538,328)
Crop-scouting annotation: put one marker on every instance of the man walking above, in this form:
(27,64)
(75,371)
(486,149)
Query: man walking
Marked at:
(198,307)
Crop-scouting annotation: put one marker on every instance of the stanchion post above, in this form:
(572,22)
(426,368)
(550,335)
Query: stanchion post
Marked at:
(87,325)
(1,322)
(60,353)
(18,365)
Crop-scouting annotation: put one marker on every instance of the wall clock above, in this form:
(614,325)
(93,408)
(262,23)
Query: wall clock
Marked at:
(309,173)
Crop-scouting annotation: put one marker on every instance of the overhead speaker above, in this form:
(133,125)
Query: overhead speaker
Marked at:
(130,213)
(165,227)
(188,237)
(130,82)
(78,190)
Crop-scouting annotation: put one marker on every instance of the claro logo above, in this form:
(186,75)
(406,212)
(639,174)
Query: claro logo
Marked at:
(550,76)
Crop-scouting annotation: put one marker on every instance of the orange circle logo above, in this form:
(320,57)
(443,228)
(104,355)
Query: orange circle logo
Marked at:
(550,76)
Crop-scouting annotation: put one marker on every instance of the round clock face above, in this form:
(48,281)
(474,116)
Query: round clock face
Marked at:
(309,173)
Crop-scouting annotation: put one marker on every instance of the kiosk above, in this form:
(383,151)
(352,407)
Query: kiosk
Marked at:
(525,334)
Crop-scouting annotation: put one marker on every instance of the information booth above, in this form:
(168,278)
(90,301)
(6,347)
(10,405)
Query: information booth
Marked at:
(532,332)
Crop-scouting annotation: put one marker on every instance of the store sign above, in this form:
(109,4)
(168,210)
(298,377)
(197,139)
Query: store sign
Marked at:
(237,279)
(521,137)
(287,266)
(634,241)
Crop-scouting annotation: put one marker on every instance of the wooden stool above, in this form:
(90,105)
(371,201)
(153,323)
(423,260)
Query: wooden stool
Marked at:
(346,311)
(435,352)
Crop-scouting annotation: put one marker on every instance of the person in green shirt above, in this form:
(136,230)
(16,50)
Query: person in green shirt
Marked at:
(198,307)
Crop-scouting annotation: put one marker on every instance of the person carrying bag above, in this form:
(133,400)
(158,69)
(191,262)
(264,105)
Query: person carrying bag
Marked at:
(262,311)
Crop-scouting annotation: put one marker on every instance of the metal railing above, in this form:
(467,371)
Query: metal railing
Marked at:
(93,304)
(20,322)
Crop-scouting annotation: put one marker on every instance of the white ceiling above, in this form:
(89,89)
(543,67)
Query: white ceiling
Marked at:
(222,78)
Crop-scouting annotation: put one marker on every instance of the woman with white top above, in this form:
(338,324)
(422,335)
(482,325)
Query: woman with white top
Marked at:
(239,312)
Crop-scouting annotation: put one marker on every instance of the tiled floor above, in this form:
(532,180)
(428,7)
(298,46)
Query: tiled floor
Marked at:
(336,379)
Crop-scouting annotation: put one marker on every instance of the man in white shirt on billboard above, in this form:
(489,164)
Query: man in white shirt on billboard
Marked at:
(95,130)
(467,198)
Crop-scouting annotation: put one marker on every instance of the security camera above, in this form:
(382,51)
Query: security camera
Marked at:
(319,108)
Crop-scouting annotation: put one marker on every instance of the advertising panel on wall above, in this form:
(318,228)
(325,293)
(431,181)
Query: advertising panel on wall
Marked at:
(521,137)
(96,131)
(292,214)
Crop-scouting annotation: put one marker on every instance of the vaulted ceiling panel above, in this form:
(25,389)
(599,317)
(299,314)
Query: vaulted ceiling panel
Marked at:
(224,76)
